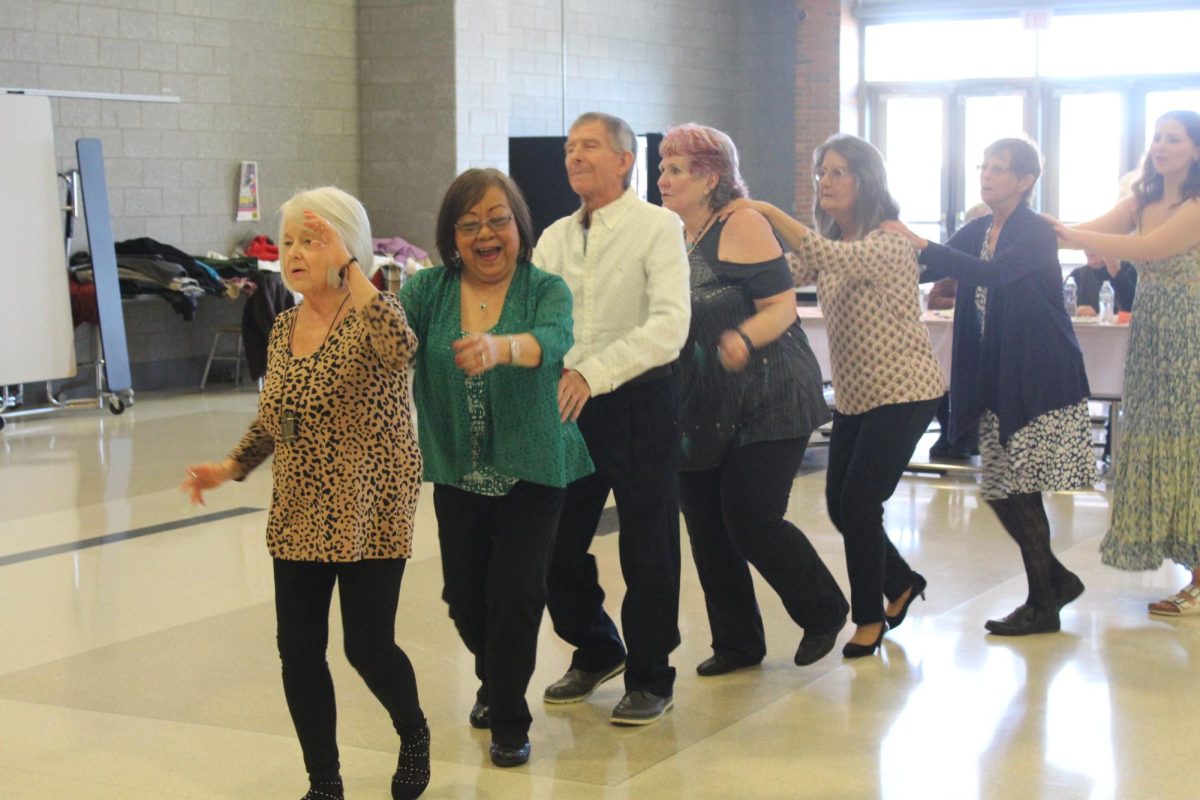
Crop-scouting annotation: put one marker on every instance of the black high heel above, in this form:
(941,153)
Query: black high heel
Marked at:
(917,589)
(852,650)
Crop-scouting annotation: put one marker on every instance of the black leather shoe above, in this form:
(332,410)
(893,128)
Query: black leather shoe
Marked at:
(640,707)
(578,684)
(1069,590)
(916,590)
(480,716)
(506,756)
(852,650)
(816,644)
(723,664)
(1024,621)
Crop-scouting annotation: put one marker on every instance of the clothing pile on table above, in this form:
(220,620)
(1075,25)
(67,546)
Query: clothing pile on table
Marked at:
(146,266)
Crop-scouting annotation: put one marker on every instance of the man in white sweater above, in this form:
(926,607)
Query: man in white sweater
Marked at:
(625,263)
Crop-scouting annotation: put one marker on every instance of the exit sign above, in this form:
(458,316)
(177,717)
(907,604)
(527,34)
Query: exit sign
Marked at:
(1036,19)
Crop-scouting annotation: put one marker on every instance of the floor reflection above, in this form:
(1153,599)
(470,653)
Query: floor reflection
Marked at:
(145,668)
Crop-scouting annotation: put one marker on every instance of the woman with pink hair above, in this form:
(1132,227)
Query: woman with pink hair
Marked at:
(752,396)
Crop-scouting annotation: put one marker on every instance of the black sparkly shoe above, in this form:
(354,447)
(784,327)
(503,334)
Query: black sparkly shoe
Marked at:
(412,768)
(324,790)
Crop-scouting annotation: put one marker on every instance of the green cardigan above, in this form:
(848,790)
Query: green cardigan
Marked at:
(525,438)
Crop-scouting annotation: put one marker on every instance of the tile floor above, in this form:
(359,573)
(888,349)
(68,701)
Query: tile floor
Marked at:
(142,666)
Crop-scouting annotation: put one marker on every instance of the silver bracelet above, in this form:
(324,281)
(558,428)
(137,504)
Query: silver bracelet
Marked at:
(514,349)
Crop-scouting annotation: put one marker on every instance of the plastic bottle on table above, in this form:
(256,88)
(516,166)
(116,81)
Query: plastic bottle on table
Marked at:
(1107,298)
(1069,296)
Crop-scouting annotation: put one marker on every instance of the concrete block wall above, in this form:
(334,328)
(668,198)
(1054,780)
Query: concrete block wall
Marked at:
(408,113)
(482,63)
(272,81)
(717,62)
(654,64)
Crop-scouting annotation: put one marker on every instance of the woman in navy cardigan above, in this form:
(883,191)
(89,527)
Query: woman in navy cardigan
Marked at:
(1017,372)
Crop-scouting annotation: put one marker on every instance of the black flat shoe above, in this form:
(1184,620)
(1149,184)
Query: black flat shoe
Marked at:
(816,645)
(916,590)
(1023,621)
(852,650)
(480,716)
(508,756)
(1069,591)
(723,664)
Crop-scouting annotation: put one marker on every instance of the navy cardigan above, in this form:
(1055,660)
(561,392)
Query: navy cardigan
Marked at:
(1028,361)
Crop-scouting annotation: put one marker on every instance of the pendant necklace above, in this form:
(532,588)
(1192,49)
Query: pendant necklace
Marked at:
(711,218)
(483,304)
(289,420)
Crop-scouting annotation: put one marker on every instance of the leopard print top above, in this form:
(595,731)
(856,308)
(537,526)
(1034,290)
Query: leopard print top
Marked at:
(346,488)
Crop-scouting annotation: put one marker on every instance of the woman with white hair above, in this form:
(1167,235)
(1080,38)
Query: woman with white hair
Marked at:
(334,412)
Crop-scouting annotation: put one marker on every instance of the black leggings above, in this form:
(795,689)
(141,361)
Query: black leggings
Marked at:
(369,591)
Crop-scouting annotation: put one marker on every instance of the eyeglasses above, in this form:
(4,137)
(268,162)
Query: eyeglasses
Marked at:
(993,169)
(837,174)
(473,227)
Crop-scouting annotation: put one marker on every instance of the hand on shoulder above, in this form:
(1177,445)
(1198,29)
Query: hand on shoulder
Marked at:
(747,238)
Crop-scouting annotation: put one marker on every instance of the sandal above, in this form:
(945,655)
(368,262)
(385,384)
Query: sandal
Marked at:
(1185,603)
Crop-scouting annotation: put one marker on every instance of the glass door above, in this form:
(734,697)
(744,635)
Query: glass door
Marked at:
(1087,163)
(910,131)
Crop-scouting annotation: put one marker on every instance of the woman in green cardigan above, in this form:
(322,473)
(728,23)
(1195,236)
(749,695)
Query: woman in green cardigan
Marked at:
(493,331)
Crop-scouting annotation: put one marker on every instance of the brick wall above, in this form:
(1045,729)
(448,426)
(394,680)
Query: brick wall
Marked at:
(818,92)
(259,80)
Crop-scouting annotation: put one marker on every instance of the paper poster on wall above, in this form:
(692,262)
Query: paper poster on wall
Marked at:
(247,208)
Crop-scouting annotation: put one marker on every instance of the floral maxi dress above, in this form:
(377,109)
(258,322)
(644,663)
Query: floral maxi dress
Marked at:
(1156,501)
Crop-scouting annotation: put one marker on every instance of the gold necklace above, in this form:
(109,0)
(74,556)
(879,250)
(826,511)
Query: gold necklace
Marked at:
(711,218)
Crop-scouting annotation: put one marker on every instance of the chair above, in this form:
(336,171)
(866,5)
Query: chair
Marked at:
(215,354)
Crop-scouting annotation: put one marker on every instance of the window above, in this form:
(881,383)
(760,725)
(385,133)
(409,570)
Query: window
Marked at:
(1088,89)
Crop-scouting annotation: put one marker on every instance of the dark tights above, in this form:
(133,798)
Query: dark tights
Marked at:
(369,592)
(1024,517)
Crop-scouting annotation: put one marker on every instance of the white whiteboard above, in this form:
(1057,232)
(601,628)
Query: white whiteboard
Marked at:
(37,341)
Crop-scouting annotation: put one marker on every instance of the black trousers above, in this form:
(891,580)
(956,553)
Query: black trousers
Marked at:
(495,555)
(735,514)
(633,437)
(867,456)
(369,591)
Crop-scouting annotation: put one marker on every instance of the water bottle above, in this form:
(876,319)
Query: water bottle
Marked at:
(1069,296)
(1106,302)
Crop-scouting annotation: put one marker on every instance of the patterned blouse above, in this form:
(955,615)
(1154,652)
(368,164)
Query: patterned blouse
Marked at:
(345,489)
(879,349)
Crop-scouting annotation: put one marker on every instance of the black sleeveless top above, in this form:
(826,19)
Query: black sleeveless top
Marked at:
(777,396)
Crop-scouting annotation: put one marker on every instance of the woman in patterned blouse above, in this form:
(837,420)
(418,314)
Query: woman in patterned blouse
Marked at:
(886,379)
(334,412)
(494,330)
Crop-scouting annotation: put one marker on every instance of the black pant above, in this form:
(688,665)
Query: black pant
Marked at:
(369,591)
(734,514)
(633,437)
(867,456)
(495,555)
